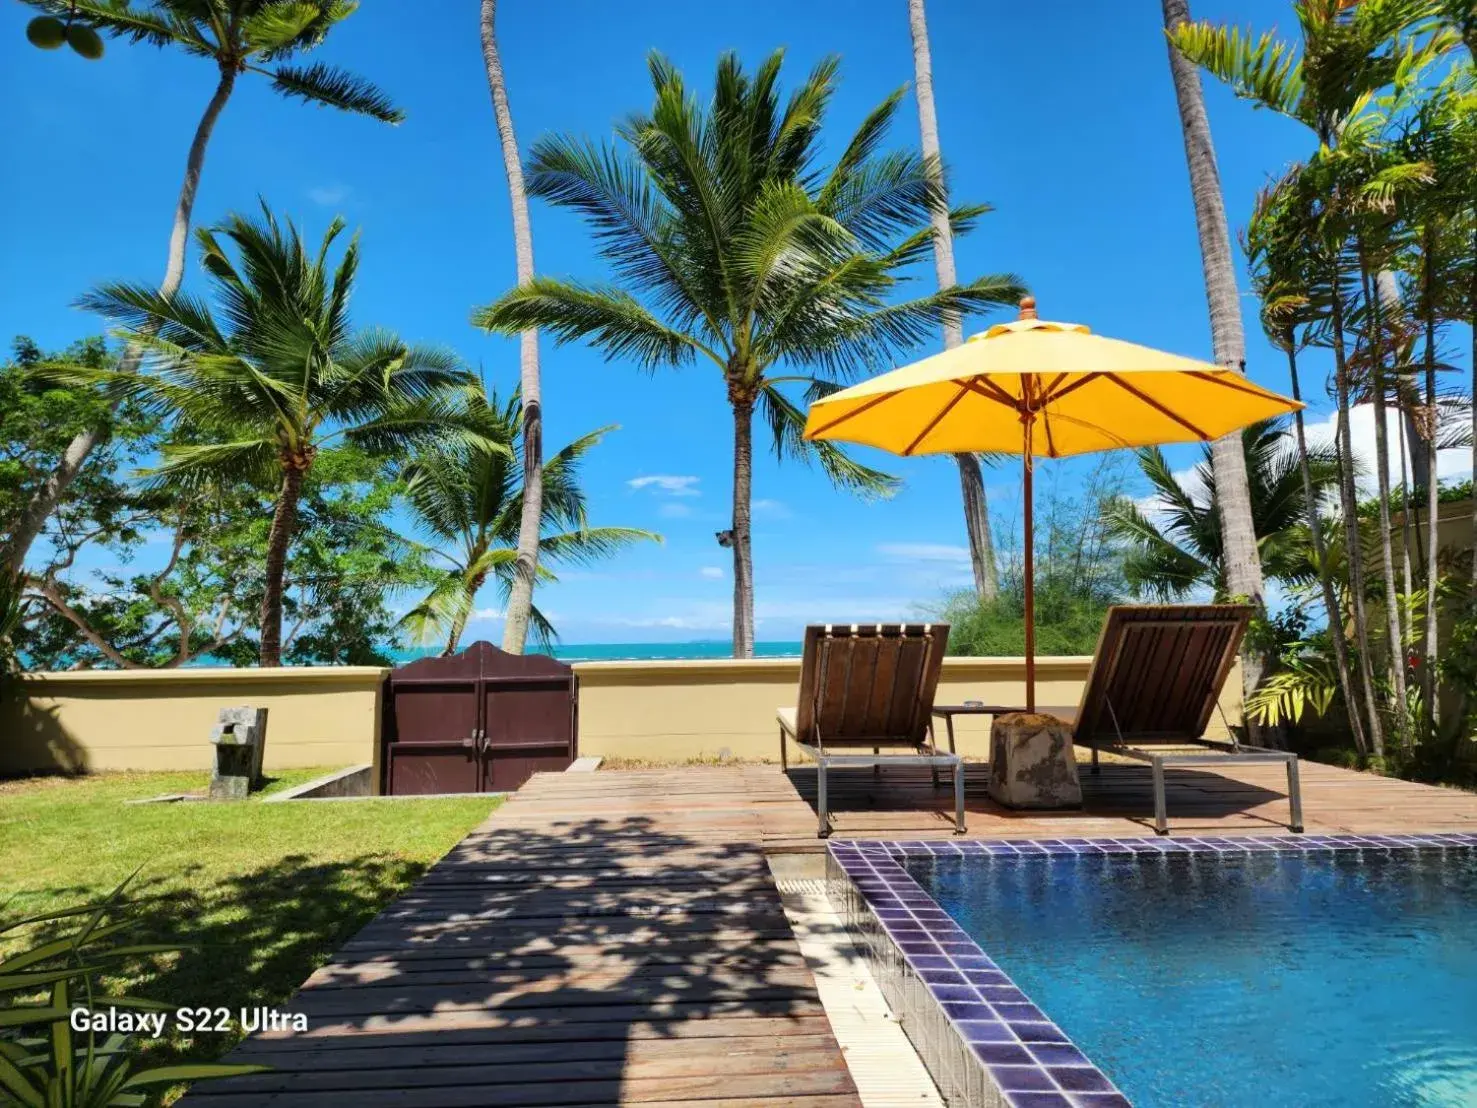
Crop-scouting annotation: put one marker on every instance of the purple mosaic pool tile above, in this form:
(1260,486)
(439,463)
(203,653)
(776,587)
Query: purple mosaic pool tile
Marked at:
(984,1042)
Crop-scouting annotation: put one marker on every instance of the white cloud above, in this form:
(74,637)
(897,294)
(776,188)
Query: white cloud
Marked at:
(923,552)
(328,196)
(1450,464)
(674,511)
(713,573)
(484,614)
(776,509)
(666,484)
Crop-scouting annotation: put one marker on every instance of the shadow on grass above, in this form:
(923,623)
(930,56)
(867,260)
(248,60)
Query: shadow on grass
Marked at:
(251,938)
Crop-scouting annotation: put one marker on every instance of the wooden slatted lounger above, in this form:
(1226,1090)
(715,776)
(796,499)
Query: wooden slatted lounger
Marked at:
(866,687)
(1156,678)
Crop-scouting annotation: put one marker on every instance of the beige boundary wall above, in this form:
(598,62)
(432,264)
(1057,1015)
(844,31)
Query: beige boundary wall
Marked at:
(329,716)
(673,711)
(161,719)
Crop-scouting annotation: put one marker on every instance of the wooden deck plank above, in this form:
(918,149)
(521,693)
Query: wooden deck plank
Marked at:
(614,937)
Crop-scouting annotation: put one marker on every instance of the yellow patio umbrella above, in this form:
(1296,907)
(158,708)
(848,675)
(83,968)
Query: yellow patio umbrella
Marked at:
(1037,388)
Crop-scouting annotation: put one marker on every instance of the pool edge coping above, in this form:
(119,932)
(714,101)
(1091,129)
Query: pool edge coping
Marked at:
(976,997)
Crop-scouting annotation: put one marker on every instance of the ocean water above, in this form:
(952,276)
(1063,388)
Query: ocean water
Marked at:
(644,651)
(1274,980)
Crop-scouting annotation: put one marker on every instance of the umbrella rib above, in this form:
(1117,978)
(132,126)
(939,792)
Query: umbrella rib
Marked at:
(854,412)
(1086,379)
(1046,396)
(934,422)
(991,391)
(1239,386)
(1158,407)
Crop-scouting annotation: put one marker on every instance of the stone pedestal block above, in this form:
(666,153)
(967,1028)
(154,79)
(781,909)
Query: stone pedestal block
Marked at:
(240,738)
(1031,765)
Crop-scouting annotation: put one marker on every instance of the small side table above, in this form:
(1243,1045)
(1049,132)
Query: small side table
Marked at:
(947,712)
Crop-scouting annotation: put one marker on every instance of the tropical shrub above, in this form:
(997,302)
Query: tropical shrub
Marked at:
(44,1062)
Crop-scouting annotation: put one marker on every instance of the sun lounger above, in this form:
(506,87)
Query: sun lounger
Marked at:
(864,688)
(1156,678)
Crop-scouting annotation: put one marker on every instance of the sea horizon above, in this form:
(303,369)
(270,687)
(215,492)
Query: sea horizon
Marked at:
(636,651)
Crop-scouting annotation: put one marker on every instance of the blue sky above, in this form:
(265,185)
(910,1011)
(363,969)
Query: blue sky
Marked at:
(1062,116)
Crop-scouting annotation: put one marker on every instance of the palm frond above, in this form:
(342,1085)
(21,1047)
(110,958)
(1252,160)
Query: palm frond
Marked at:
(334,88)
(787,425)
(611,318)
(1260,68)
(592,544)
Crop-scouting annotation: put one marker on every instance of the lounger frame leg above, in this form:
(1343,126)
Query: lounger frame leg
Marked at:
(820,797)
(784,755)
(1294,797)
(958,797)
(1095,767)
(1161,814)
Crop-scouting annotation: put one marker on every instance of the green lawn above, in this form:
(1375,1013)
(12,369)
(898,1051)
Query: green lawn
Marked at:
(266,891)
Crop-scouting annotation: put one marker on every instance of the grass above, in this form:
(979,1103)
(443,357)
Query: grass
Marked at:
(266,892)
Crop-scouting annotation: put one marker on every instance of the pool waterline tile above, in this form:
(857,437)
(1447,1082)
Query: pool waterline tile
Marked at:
(997,1048)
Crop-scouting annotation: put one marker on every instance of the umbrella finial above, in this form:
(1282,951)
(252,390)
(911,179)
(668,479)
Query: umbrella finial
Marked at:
(1028,307)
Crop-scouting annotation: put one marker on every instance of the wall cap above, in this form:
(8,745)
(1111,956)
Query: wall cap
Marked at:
(204,674)
(790,664)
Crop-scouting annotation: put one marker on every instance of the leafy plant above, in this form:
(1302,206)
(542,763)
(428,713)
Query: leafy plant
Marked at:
(12,609)
(1305,681)
(60,1067)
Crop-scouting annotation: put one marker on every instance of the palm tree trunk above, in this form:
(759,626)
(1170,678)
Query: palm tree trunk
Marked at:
(1242,561)
(743,562)
(971,479)
(45,499)
(1386,531)
(284,522)
(530,518)
(1429,691)
(1325,576)
(459,622)
(1349,505)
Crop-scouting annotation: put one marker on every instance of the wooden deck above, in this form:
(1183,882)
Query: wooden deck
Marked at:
(615,938)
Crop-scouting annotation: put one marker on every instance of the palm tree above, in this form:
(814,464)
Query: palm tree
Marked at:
(1178,546)
(1329,81)
(468,498)
(1237,531)
(971,479)
(530,519)
(1286,271)
(273,371)
(730,243)
(238,36)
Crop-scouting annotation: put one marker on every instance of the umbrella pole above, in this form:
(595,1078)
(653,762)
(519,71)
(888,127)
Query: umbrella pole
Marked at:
(1029,571)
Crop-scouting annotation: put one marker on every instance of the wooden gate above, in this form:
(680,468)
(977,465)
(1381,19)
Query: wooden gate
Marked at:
(478,721)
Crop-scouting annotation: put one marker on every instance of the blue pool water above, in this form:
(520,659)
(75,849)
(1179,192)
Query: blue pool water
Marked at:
(1273,979)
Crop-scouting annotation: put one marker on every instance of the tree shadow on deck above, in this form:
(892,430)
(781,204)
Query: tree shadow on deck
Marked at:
(592,961)
(1121,791)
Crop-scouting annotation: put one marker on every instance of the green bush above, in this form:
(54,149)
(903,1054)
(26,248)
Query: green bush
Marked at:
(1066,623)
(44,1063)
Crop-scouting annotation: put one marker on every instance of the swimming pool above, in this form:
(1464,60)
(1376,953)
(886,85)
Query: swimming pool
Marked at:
(1277,971)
